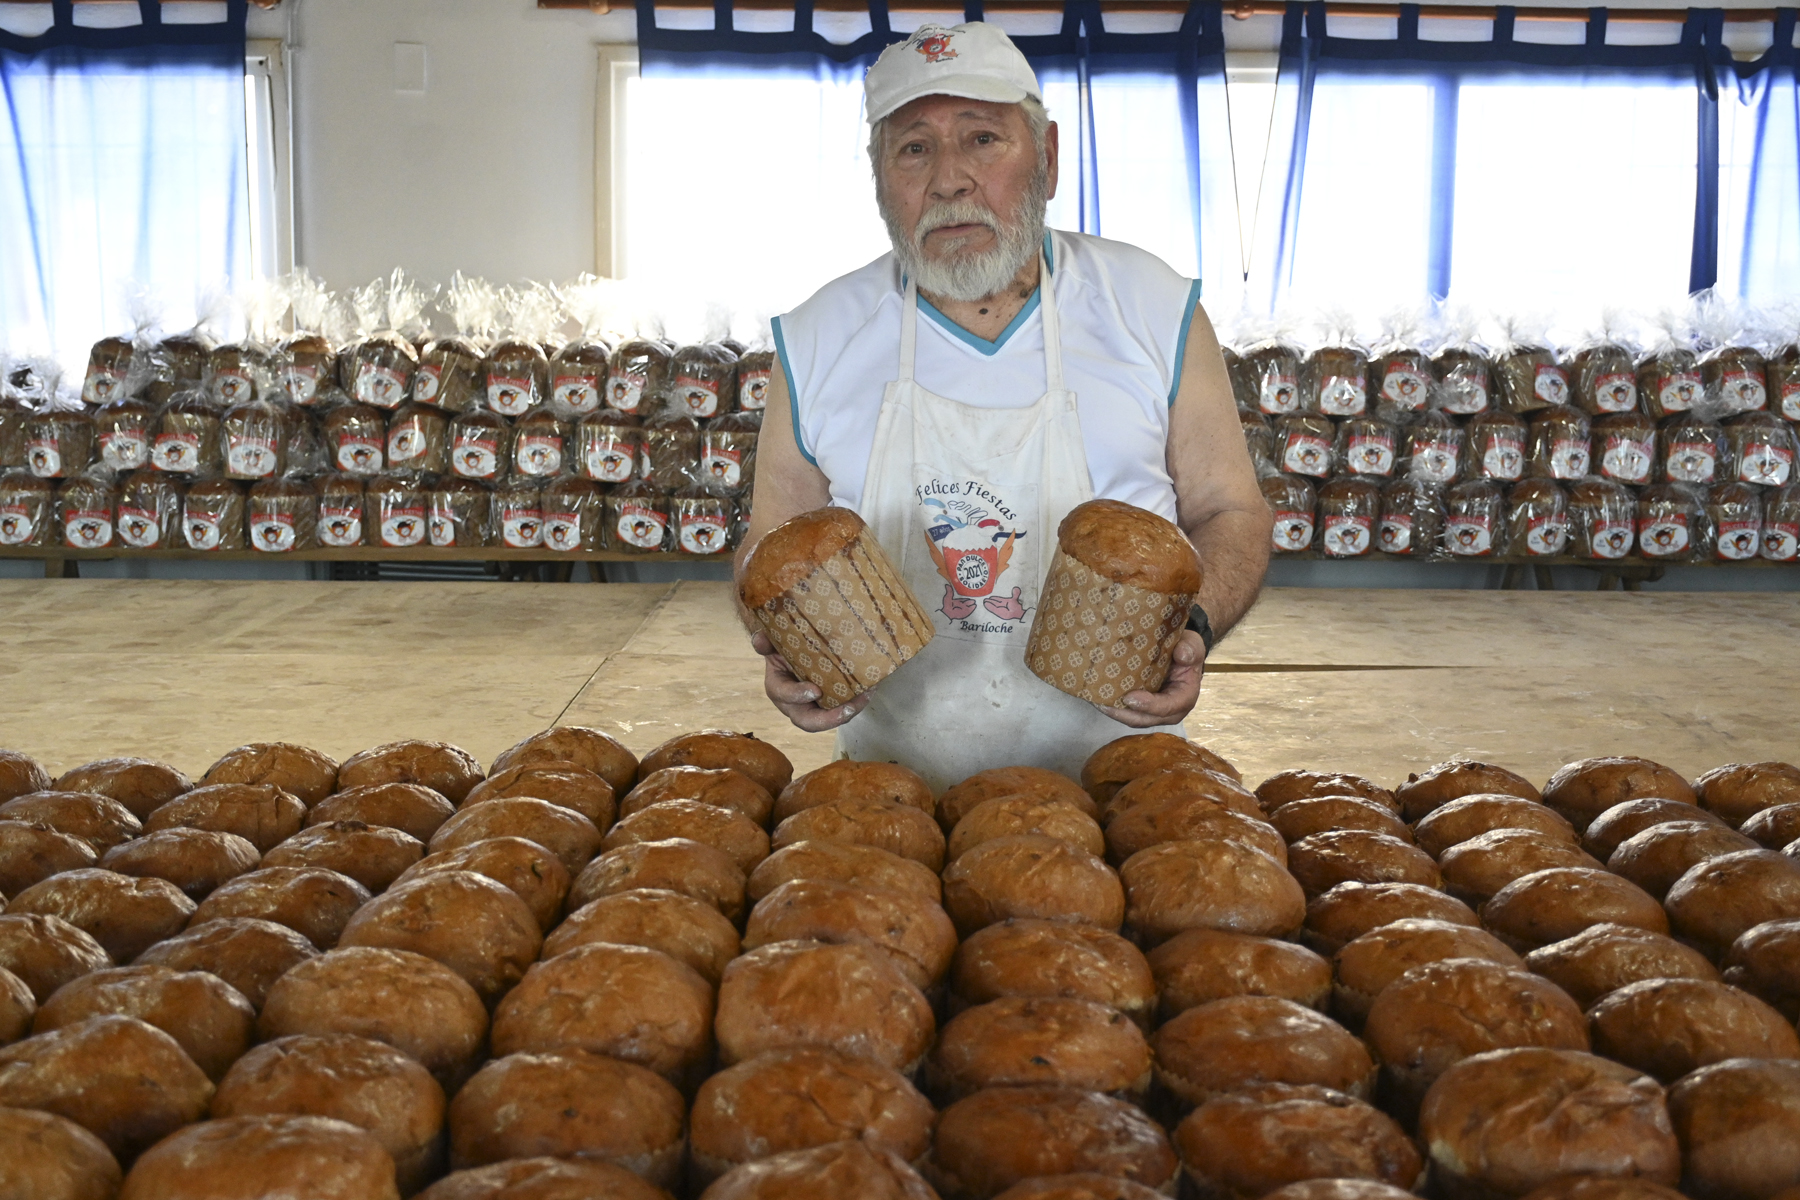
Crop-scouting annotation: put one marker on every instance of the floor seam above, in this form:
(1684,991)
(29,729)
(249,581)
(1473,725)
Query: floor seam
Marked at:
(662,602)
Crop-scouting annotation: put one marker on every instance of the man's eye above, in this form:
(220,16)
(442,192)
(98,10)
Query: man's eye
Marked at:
(984,139)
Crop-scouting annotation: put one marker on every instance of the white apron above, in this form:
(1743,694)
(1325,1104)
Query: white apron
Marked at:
(966,502)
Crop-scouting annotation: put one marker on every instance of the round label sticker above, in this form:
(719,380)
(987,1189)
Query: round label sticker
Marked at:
(273,534)
(1465,397)
(1781,543)
(340,527)
(1405,386)
(203,532)
(175,452)
(1569,459)
(405,527)
(721,467)
(124,451)
(1307,455)
(442,529)
(510,397)
(609,464)
(577,394)
(1468,536)
(1768,465)
(703,535)
(302,384)
(625,392)
(701,399)
(1611,539)
(426,383)
(1503,460)
(1279,394)
(1692,462)
(359,456)
(1346,537)
(1547,535)
(383,387)
(1551,385)
(1342,395)
(474,460)
(1293,531)
(45,459)
(539,455)
(405,442)
(1626,459)
(1615,393)
(138,528)
(88,531)
(1662,538)
(1745,390)
(523,529)
(1678,392)
(1790,399)
(640,527)
(1396,534)
(232,387)
(16,527)
(562,531)
(753,391)
(1434,462)
(251,458)
(101,386)
(1371,455)
(1738,540)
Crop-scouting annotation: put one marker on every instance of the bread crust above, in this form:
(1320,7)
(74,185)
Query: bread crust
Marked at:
(309,900)
(1199,966)
(849,997)
(124,913)
(1669,1027)
(1349,910)
(241,1157)
(140,784)
(1583,790)
(1030,875)
(1026,956)
(1603,958)
(1223,884)
(999,1137)
(1249,1041)
(295,769)
(533,874)
(678,864)
(248,953)
(373,855)
(1130,545)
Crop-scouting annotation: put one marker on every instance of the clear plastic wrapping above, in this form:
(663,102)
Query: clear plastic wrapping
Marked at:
(1305,444)
(1473,512)
(1736,375)
(1602,519)
(1433,449)
(574,509)
(1625,447)
(1781,524)
(1690,449)
(703,381)
(1367,446)
(578,370)
(13,415)
(753,371)
(517,377)
(1348,510)
(396,507)
(1671,523)
(188,437)
(1668,375)
(212,515)
(355,437)
(254,445)
(59,442)
(1295,505)
(1605,377)
(283,515)
(240,372)
(481,445)
(27,509)
(1334,380)
(1259,439)
(343,516)
(149,512)
(86,505)
(1400,375)
(108,368)
(1782,372)
(1734,513)
(460,512)
(1464,382)
(378,369)
(519,514)
(671,452)
(637,374)
(702,521)
(608,445)
(175,364)
(728,454)
(541,445)
(1759,449)
(637,519)
(1561,444)
(306,358)
(449,373)
(1537,518)
(122,427)
(1412,519)
(418,439)
(1271,371)
(1496,447)
(1530,376)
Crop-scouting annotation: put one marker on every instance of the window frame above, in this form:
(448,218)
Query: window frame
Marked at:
(618,66)
(269,156)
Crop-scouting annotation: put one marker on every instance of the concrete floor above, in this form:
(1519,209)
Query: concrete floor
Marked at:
(1375,682)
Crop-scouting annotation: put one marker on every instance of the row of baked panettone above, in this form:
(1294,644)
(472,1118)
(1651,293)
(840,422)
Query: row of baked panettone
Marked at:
(823,1012)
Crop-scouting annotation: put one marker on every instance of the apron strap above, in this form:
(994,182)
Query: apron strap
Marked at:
(909,331)
(1053,364)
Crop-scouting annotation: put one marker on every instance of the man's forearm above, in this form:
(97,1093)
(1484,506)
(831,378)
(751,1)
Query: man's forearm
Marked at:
(1234,555)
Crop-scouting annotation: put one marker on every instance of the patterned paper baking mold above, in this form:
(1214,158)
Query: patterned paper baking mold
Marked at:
(848,625)
(1098,640)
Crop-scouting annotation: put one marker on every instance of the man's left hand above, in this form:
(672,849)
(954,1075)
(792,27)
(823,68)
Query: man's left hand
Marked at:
(1143,710)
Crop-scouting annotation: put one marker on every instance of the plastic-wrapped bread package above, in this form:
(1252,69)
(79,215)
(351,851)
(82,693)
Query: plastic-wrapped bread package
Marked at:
(418,439)
(1238,372)
(1734,513)
(86,506)
(637,376)
(754,370)
(14,412)
(460,511)
(355,437)
(703,381)
(728,454)
(574,509)
(378,369)
(1781,524)
(302,440)
(212,515)
(27,509)
(1400,375)
(1462,371)
(1602,519)
(343,515)
(1530,375)
(1433,449)
(1496,447)
(59,439)
(1473,516)
(1737,375)
(1367,446)
(481,445)
(1294,503)
(1782,373)
(1334,379)
(671,452)
(395,505)
(1537,518)
(740,520)
(237,372)
(1690,449)
(637,519)
(254,446)
(702,521)
(188,439)
(1759,449)
(1348,509)
(1560,444)
(1412,519)
(1671,523)
(541,445)
(283,515)
(449,374)
(1668,374)
(516,372)
(1259,439)
(122,427)
(306,359)
(1625,447)
(1604,373)
(150,510)
(578,369)
(1304,445)
(109,376)
(1271,369)
(518,514)
(608,445)
(177,363)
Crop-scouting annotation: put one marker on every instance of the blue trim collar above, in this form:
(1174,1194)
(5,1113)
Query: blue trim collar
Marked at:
(982,345)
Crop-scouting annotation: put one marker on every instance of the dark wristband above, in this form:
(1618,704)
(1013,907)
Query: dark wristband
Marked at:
(1199,624)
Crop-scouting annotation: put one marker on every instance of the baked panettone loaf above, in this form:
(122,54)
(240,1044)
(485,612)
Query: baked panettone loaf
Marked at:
(248,1158)
(1024,956)
(1601,959)
(897,828)
(478,928)
(534,874)
(1030,875)
(544,1178)
(1078,1185)
(1369,963)
(1202,965)
(247,953)
(677,864)
(140,784)
(578,746)
(412,808)
(1005,816)
(1559,902)
(20,774)
(1738,791)
(845,862)
(1246,1144)
(1478,868)
(46,952)
(31,851)
(832,602)
(848,1168)
(996,1138)
(1718,900)
(1669,1027)
(1472,816)
(1765,961)
(914,933)
(1447,781)
(48,1157)
(1621,821)
(1032,1040)
(715,749)
(1324,860)
(1583,790)
(194,860)
(125,914)
(563,784)
(720,788)
(1325,814)
(445,769)
(689,931)
(309,900)
(100,821)
(1739,1124)
(1285,787)
(373,855)
(1248,1041)
(1223,884)
(1655,858)
(1114,603)
(961,799)
(1124,759)
(845,777)
(565,833)
(208,1017)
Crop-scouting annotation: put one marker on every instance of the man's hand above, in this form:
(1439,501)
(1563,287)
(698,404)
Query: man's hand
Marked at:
(798,699)
(1180,691)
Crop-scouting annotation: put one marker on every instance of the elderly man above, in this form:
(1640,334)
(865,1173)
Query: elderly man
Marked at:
(969,389)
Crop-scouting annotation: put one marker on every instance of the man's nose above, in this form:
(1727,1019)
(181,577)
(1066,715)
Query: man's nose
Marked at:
(951,178)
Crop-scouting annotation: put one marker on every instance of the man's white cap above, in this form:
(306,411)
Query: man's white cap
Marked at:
(975,60)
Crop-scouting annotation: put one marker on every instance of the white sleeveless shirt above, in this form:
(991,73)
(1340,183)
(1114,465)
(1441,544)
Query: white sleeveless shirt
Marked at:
(1124,315)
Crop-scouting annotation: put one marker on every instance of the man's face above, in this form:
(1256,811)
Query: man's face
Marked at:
(955,176)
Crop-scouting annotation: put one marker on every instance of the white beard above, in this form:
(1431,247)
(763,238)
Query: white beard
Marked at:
(963,275)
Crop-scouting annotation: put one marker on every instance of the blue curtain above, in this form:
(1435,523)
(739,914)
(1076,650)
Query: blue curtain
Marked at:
(122,161)
(1759,253)
(1118,169)
(1497,170)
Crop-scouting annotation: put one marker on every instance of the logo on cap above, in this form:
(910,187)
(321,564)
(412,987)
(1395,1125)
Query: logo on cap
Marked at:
(936,47)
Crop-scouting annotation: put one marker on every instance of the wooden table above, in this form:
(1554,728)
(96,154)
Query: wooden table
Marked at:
(1377,682)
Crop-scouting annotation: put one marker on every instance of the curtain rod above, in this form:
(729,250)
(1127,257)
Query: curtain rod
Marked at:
(1240,9)
(253,3)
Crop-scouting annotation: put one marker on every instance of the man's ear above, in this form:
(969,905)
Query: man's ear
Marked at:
(1050,155)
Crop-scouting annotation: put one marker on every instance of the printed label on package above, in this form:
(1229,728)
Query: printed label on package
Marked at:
(609,462)
(1396,534)
(537,455)
(381,386)
(232,387)
(1627,459)
(1405,386)
(1293,531)
(1464,396)
(1569,458)
(1692,462)
(102,385)
(45,458)
(1346,536)
(203,532)
(302,383)
(702,535)
(16,525)
(340,526)
(625,392)
(441,527)
(474,457)
(1370,454)
(1468,536)
(123,449)
(273,533)
(139,527)
(1660,537)
(1503,459)
(577,393)
(427,382)
(1546,535)
(1615,392)
(1342,395)
(250,457)
(1790,399)
(753,391)
(699,396)
(522,528)
(405,443)
(358,455)
(1307,455)
(511,396)
(721,466)
(640,526)
(88,530)
(1780,542)
(1280,393)
(177,452)
(1611,539)
(1678,392)
(1739,540)
(1551,384)
(1434,462)
(562,531)
(1745,390)
(402,526)
(1764,464)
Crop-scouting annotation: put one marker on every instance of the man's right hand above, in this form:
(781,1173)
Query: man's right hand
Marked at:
(797,699)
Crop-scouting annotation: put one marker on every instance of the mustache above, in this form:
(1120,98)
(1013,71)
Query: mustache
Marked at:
(954,212)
